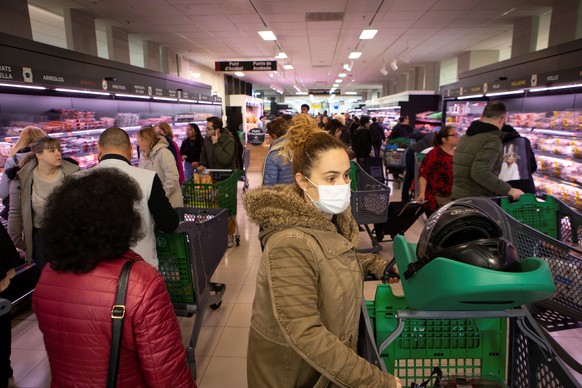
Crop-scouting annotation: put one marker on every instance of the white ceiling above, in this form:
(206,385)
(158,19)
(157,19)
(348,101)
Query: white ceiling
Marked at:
(210,30)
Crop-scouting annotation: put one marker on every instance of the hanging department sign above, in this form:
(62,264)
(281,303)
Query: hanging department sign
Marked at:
(245,66)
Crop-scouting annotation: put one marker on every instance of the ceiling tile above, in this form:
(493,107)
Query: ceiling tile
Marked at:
(199,9)
(455,5)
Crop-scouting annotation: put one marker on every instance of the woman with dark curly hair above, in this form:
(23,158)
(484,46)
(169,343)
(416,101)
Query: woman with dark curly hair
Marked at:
(86,248)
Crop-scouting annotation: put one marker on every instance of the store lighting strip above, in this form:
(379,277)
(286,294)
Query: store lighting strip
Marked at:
(132,96)
(82,92)
(165,99)
(188,101)
(205,102)
(505,93)
(555,88)
(23,86)
(470,97)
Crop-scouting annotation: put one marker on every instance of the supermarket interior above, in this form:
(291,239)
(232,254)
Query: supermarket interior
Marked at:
(74,68)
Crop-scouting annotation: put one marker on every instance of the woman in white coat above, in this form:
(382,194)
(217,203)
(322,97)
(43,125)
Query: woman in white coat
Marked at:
(155,156)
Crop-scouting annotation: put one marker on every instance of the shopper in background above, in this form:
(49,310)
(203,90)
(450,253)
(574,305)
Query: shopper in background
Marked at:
(17,152)
(155,156)
(165,130)
(305,109)
(40,173)
(355,124)
(402,129)
(324,120)
(519,162)
(114,151)
(377,134)
(190,149)
(304,323)
(277,168)
(218,150)
(435,182)
(424,140)
(334,128)
(478,157)
(75,294)
(345,136)
(318,120)
(8,260)
(362,140)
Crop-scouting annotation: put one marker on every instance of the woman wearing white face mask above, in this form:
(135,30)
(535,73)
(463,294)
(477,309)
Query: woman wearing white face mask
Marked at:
(304,324)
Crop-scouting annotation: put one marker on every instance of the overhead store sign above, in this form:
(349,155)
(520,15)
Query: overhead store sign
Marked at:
(245,66)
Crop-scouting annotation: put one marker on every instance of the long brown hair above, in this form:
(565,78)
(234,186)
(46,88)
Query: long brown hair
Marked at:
(150,136)
(27,136)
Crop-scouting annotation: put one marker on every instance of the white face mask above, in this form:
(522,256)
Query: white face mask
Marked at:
(333,199)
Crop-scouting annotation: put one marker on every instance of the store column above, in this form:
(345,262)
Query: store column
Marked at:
(15,19)
(118,44)
(80,31)
(169,61)
(525,36)
(566,23)
(151,55)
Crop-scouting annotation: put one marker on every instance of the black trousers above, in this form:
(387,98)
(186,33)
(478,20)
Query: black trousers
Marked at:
(409,174)
(5,349)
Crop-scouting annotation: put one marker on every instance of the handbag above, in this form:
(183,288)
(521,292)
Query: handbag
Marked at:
(117,315)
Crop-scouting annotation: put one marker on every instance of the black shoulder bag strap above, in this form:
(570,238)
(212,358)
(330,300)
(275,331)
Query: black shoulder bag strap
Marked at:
(117,315)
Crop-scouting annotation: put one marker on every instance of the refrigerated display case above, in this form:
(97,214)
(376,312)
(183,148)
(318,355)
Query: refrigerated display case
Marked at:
(552,121)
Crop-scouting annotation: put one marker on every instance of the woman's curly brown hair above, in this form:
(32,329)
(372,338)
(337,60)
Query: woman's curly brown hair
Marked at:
(91,217)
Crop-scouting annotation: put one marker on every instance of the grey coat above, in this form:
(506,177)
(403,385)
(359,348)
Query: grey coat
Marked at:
(20,214)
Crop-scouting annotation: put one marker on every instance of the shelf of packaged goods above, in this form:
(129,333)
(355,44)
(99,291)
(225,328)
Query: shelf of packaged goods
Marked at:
(551,132)
(558,156)
(80,133)
(576,185)
(77,155)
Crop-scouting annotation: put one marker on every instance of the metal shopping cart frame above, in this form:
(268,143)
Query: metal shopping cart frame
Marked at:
(221,193)
(187,260)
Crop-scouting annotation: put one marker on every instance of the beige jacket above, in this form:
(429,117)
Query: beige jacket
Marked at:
(162,162)
(304,324)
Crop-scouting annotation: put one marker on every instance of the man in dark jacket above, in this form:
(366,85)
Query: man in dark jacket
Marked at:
(423,141)
(477,160)
(377,134)
(402,129)
(219,149)
(362,141)
(519,162)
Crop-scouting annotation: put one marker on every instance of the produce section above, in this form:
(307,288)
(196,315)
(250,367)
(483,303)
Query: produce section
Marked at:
(554,128)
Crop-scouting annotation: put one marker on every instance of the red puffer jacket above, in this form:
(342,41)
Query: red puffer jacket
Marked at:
(74,315)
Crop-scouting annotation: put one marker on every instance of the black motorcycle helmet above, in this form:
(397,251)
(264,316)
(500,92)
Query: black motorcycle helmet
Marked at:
(470,230)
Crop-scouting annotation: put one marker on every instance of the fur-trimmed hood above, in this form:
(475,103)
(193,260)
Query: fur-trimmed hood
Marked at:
(282,206)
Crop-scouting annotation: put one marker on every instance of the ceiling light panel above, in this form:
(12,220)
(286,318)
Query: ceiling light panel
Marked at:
(267,35)
(342,75)
(355,55)
(368,34)
(288,67)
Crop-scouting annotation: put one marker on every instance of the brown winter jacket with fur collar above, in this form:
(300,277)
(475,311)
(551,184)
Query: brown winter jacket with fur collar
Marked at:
(304,324)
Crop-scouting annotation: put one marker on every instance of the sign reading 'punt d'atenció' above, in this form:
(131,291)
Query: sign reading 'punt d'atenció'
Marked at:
(245,66)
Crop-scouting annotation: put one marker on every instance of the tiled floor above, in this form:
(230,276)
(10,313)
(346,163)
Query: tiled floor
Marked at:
(222,344)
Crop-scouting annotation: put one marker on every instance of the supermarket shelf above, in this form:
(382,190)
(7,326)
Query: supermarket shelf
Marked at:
(557,156)
(552,132)
(77,155)
(558,180)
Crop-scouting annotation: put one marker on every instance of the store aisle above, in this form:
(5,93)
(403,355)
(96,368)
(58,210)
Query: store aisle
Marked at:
(222,345)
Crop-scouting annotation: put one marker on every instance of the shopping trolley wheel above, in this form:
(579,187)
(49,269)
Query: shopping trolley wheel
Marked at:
(237,240)
(216,305)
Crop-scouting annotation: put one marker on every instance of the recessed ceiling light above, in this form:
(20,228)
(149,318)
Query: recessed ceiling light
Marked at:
(281,55)
(239,73)
(267,35)
(355,55)
(342,75)
(288,67)
(335,85)
(301,93)
(368,34)
(337,81)
(351,93)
